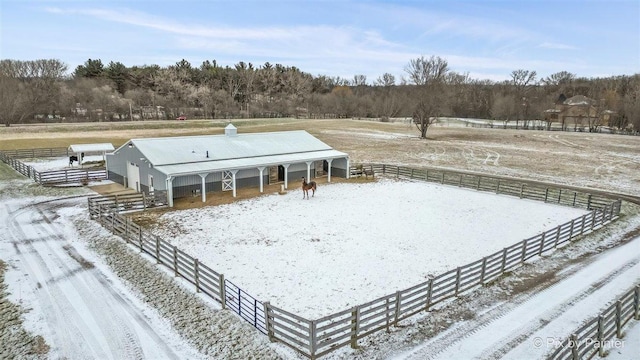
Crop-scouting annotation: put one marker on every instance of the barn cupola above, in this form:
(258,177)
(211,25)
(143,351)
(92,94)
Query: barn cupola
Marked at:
(230,130)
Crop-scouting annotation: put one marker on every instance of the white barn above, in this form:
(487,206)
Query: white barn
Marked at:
(190,165)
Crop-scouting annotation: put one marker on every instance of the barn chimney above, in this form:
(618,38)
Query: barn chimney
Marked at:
(230,130)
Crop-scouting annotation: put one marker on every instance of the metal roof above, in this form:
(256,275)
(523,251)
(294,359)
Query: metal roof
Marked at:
(78,148)
(188,154)
(244,163)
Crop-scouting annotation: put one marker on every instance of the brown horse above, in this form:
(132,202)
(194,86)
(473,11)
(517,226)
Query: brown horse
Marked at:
(306,186)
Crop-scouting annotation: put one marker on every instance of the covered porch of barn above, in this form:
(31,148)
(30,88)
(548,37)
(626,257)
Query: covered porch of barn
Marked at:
(227,170)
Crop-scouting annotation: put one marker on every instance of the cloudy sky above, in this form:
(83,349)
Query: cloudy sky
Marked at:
(486,38)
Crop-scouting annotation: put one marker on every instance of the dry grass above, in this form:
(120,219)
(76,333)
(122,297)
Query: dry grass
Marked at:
(603,161)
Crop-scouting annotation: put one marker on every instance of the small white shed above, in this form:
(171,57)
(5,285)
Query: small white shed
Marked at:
(91,149)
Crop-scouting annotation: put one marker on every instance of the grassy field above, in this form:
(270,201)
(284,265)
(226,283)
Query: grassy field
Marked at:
(601,161)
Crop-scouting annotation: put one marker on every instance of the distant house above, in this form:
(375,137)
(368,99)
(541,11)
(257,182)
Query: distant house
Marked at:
(579,110)
(188,165)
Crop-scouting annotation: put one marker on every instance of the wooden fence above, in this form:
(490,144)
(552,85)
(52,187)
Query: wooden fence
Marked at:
(126,202)
(315,338)
(105,210)
(512,187)
(591,338)
(54,177)
(37,153)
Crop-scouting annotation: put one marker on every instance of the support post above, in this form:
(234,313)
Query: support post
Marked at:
(329,170)
(175,261)
(355,323)
(196,273)
(203,188)
(267,321)
(223,292)
(261,169)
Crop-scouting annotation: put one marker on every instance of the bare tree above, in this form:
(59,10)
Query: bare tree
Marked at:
(522,81)
(422,71)
(29,88)
(429,76)
(385,80)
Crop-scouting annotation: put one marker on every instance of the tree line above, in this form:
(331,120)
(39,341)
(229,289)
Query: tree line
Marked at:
(37,89)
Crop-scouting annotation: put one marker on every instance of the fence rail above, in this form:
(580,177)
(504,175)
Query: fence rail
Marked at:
(589,340)
(37,153)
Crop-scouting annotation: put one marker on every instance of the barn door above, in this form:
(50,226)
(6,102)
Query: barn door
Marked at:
(133,176)
(227,180)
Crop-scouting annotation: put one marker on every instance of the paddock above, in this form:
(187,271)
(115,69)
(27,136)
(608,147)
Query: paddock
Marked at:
(342,248)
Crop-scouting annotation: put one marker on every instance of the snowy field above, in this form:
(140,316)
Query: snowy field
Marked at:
(353,242)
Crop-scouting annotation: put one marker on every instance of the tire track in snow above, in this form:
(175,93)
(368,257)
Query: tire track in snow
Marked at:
(64,290)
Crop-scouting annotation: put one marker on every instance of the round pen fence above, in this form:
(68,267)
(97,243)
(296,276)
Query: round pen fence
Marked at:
(315,338)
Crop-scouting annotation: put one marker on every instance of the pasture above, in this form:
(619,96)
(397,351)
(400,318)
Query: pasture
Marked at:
(600,161)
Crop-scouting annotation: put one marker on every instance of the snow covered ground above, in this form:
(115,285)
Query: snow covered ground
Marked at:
(353,242)
(59,163)
(531,299)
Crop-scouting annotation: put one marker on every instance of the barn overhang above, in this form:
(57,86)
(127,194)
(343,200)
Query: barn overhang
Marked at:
(247,163)
(232,166)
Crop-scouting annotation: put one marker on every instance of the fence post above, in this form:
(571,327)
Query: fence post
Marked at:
(571,229)
(478,184)
(144,201)
(426,175)
(524,250)
(504,260)
(457,281)
(442,181)
(610,212)
(355,324)
(429,291)
(126,229)
(593,219)
(412,170)
(584,218)
(483,270)
(397,310)
(575,193)
(460,181)
(158,250)
(559,195)
(600,337)
(636,302)
(267,319)
(140,237)
(589,202)
(498,187)
(555,242)
(197,274)
(386,313)
(541,244)
(521,190)
(618,319)
(223,293)
(574,346)
(175,261)
(312,339)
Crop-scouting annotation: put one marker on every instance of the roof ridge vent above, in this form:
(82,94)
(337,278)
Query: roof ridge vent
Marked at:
(230,130)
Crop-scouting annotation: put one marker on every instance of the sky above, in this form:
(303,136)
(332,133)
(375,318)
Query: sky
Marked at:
(488,39)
